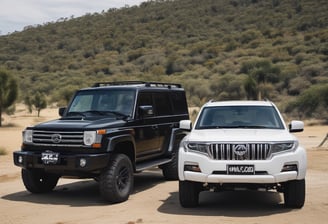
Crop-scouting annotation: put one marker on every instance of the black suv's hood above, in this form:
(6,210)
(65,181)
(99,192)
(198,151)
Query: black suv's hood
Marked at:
(76,123)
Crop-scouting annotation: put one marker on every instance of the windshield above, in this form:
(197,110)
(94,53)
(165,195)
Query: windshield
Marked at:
(239,117)
(103,102)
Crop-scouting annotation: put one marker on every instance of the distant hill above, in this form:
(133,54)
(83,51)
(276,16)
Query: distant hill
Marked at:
(227,49)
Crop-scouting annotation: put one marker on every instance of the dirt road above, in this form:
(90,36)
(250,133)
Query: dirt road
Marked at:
(154,200)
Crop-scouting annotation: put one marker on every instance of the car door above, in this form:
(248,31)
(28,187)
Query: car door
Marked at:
(147,135)
(164,117)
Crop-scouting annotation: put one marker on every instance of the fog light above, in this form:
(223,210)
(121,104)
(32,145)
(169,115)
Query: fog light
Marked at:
(291,167)
(193,168)
(83,162)
(20,159)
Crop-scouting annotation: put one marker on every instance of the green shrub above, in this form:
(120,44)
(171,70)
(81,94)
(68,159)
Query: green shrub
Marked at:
(311,101)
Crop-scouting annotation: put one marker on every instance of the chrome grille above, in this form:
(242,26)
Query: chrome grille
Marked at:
(60,138)
(240,151)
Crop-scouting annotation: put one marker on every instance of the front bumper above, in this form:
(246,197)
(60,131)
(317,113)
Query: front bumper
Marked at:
(269,171)
(66,163)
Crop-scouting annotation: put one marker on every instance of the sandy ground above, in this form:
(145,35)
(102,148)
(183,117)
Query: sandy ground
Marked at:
(153,200)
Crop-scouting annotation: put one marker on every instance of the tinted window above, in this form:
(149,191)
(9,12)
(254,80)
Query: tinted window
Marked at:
(239,117)
(162,104)
(144,99)
(179,103)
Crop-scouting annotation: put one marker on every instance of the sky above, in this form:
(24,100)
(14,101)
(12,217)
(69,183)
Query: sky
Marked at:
(17,14)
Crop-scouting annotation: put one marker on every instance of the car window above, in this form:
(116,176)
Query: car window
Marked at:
(179,103)
(121,101)
(162,104)
(144,99)
(239,117)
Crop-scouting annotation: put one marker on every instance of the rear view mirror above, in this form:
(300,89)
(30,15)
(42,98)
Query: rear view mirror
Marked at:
(185,125)
(296,126)
(146,111)
(61,111)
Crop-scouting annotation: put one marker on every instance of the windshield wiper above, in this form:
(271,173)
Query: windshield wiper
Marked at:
(246,126)
(117,113)
(95,112)
(257,126)
(102,113)
(72,113)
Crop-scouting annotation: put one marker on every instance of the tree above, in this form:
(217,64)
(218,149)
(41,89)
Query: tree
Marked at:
(39,102)
(250,86)
(28,103)
(262,72)
(8,91)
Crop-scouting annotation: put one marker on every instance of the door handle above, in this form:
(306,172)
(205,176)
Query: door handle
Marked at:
(154,127)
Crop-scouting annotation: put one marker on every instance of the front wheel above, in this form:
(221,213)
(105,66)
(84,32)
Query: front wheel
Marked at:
(189,193)
(116,181)
(170,170)
(294,193)
(38,181)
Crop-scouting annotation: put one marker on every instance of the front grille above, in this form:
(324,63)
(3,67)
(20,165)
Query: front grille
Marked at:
(240,151)
(58,138)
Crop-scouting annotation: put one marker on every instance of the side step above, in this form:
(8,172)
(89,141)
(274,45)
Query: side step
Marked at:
(149,164)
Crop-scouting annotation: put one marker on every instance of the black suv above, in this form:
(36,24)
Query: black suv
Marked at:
(107,132)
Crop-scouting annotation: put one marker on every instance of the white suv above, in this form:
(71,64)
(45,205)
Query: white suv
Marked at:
(241,145)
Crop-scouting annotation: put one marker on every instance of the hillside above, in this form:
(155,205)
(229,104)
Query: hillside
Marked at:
(228,49)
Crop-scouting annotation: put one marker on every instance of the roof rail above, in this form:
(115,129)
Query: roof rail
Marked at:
(99,84)
(147,84)
(162,84)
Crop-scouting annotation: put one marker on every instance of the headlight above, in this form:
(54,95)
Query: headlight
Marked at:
(93,138)
(27,136)
(197,147)
(284,146)
(89,137)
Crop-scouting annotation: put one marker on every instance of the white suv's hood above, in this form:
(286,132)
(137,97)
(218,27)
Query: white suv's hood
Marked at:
(239,135)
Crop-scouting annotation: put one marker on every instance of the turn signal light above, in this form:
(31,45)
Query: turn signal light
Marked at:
(96,145)
(101,131)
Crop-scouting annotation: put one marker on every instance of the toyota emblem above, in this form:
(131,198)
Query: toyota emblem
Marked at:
(240,149)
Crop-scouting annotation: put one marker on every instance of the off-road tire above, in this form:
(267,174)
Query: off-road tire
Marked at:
(116,181)
(294,193)
(37,181)
(170,170)
(189,193)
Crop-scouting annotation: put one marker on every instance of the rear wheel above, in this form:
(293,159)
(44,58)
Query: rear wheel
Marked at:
(294,193)
(38,181)
(189,193)
(116,181)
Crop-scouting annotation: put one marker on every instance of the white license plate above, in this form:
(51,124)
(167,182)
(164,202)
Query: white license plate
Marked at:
(240,169)
(50,157)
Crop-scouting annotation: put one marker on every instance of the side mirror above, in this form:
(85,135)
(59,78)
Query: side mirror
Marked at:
(61,111)
(296,126)
(185,125)
(146,111)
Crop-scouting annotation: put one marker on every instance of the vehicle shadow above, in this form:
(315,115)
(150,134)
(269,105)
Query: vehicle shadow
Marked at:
(80,193)
(229,204)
